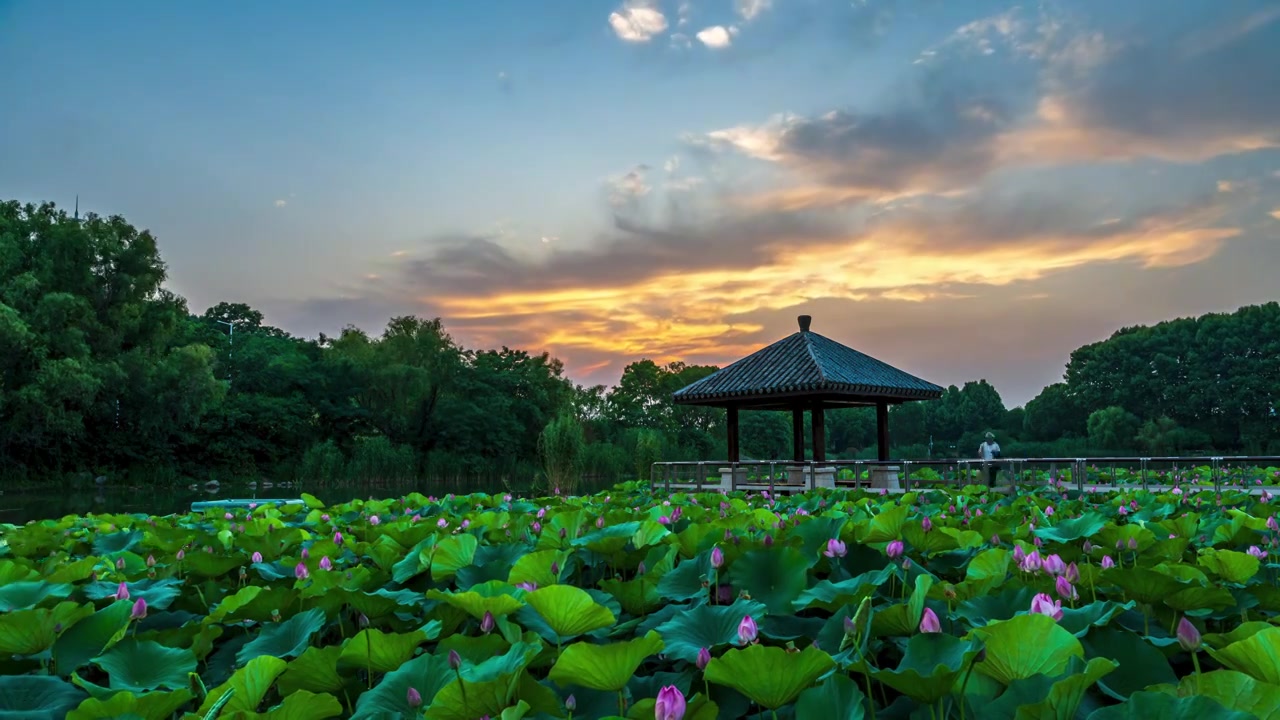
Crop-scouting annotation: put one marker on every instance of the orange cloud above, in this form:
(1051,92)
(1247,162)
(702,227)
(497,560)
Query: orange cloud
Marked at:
(678,315)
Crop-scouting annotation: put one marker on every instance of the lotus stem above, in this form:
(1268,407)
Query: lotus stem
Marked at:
(1195,663)
(368,658)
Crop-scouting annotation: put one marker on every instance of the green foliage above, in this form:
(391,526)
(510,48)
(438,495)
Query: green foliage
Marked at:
(478,622)
(562,448)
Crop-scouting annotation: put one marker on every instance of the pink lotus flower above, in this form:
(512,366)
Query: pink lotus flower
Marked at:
(1072,573)
(324,517)
(300,571)
(120,563)
(527,586)
(717,557)
(139,609)
(373,520)
(337,537)
(1107,562)
(704,657)
(929,622)
(926,524)
(122,592)
(256,557)
(181,554)
(1123,510)
(894,549)
(835,548)
(600,522)
(670,705)
(1272,525)
(326,563)
(1045,605)
(1031,563)
(306,554)
(1257,552)
(1018,553)
(487,623)
(442,523)
(414,697)
(747,631)
(1048,511)
(229,516)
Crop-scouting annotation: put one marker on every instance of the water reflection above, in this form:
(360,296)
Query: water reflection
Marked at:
(21,506)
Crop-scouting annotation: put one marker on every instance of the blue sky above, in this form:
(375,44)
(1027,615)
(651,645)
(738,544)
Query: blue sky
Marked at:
(963,189)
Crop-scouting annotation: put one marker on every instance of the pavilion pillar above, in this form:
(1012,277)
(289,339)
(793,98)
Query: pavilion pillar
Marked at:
(732,416)
(819,432)
(882,430)
(797,433)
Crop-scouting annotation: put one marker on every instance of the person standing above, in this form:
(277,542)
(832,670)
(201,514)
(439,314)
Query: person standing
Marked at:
(989,452)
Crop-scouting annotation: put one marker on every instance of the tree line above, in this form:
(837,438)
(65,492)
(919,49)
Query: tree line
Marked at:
(104,372)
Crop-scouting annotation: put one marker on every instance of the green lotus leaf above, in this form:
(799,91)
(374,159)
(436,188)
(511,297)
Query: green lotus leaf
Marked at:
(606,541)
(492,563)
(775,576)
(569,611)
(988,568)
(1257,656)
(73,572)
(37,697)
(140,665)
(604,667)
(684,581)
(1011,657)
(1235,691)
(90,637)
(831,596)
(650,532)
(770,676)
(284,639)
(1147,705)
(484,689)
(932,542)
(1078,621)
(904,618)
(28,632)
(117,542)
(315,670)
(1240,632)
(884,527)
(836,698)
(1201,598)
(415,562)
(1072,529)
(535,567)
(25,595)
(476,603)
(1230,565)
(706,626)
(148,706)
(12,572)
(930,666)
(1065,695)
(451,554)
(378,651)
(1142,665)
(249,686)
(159,594)
(1142,584)
(303,705)
(426,674)
(638,596)
(209,565)
(381,602)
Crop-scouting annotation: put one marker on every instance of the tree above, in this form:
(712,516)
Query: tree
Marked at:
(561,447)
(1112,428)
(1055,413)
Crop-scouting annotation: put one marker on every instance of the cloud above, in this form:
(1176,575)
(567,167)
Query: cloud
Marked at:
(749,10)
(281,203)
(716,36)
(629,187)
(637,21)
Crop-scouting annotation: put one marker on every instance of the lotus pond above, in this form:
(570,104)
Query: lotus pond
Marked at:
(833,605)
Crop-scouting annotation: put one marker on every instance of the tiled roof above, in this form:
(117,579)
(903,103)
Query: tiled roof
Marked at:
(807,363)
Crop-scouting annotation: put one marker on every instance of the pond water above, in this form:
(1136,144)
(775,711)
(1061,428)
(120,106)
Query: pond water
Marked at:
(21,506)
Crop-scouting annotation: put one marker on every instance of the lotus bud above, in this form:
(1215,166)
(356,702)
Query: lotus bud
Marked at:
(894,549)
(228,516)
(1018,553)
(1048,511)
(926,524)
(1188,635)
(768,540)
(599,524)
(324,517)
(337,537)
(747,631)
(300,571)
(1088,547)
(455,660)
(362,620)
(571,703)
(1257,552)
(835,549)
(949,592)
(850,628)
(1107,562)
(122,592)
(704,657)
(1133,543)
(717,557)
(640,569)
(929,622)
(373,520)
(670,704)
(257,557)
(1054,565)
(563,533)
(536,526)
(306,554)
(151,561)
(555,568)
(906,563)
(326,563)
(1065,589)
(1072,573)
(414,697)
(487,623)
(120,563)
(139,609)
(995,539)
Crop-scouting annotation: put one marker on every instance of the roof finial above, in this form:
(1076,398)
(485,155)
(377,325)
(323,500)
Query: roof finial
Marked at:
(805,322)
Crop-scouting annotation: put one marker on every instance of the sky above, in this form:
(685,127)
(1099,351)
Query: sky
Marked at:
(962,189)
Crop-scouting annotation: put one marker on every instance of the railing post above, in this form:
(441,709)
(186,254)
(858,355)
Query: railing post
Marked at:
(906,476)
(1215,471)
(1080,473)
(772,472)
(1144,461)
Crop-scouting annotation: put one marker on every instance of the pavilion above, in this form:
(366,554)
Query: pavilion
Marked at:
(806,371)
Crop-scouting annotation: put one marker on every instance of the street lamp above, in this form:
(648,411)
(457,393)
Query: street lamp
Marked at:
(231,344)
